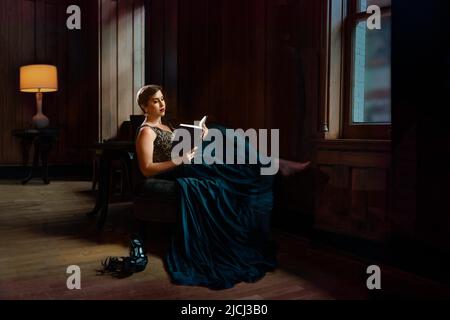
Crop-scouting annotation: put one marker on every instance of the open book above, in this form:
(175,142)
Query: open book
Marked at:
(200,125)
(195,132)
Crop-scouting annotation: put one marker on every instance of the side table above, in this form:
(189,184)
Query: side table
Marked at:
(42,140)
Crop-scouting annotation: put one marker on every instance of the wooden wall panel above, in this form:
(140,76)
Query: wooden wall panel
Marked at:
(184,58)
(257,69)
(155,39)
(171,53)
(64,96)
(125,57)
(108,75)
(75,118)
(216,84)
(28,53)
(34,31)
(3,70)
(234,68)
(355,200)
(200,74)
(10,85)
(246,64)
(139,50)
(122,62)
(161,36)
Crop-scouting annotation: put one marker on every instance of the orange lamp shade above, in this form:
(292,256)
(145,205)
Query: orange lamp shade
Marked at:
(38,78)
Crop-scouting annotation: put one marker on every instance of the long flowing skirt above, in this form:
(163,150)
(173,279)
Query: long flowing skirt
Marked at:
(223,234)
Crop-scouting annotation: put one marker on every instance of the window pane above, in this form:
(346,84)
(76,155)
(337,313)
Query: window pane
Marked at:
(372,73)
(364,4)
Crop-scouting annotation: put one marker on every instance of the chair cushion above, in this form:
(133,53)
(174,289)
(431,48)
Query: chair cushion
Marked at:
(156,200)
(156,188)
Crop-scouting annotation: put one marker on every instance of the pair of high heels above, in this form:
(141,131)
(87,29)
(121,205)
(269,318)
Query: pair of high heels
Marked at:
(126,266)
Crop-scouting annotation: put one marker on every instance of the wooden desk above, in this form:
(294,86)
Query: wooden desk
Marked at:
(109,151)
(42,140)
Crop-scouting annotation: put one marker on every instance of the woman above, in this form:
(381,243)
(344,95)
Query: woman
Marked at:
(223,236)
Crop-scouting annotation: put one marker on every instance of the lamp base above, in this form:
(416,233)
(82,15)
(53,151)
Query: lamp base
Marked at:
(40,120)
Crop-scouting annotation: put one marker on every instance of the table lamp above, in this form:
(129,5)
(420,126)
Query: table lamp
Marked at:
(39,78)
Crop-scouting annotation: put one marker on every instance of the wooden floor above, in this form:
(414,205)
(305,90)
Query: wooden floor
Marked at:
(43,230)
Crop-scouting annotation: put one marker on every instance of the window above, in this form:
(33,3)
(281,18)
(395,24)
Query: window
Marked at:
(367,85)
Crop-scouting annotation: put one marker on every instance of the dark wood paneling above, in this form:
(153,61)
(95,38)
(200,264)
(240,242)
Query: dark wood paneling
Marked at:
(62,97)
(170,53)
(155,39)
(3,68)
(122,62)
(161,37)
(28,54)
(125,57)
(11,80)
(355,200)
(74,115)
(246,64)
(139,49)
(420,135)
(108,77)
(200,74)
(216,89)
(35,32)
(257,37)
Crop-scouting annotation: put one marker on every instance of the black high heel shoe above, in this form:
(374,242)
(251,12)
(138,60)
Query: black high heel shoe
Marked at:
(137,254)
(126,266)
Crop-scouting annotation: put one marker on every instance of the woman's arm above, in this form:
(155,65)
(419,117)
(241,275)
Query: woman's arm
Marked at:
(144,149)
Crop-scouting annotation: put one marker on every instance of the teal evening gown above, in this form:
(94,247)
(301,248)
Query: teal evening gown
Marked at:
(223,232)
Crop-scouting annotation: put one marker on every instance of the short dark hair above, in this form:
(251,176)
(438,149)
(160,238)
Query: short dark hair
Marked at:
(145,93)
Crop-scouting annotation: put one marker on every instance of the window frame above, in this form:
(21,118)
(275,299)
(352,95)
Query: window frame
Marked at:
(352,130)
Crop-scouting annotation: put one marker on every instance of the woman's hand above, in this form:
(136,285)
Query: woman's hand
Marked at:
(205,132)
(187,157)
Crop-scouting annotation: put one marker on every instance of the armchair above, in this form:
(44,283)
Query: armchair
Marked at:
(154,200)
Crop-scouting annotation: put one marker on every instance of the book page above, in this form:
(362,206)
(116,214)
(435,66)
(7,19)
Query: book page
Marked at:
(200,126)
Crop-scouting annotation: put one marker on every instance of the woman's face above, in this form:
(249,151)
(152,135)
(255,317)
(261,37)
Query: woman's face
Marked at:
(156,106)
